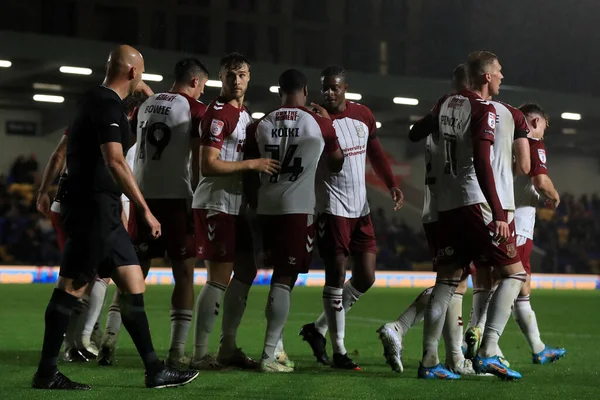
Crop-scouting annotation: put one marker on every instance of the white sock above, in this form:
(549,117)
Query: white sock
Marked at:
(453,330)
(71,334)
(414,313)
(479,307)
(321,324)
(207,310)
(180,327)
(349,296)
(277,310)
(499,312)
(336,318)
(435,316)
(279,349)
(234,305)
(499,352)
(113,321)
(81,319)
(525,318)
(95,306)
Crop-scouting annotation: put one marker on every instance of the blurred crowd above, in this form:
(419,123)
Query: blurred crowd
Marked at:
(565,239)
(26,237)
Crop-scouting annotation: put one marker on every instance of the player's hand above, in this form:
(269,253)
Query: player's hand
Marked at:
(265,165)
(144,88)
(502,232)
(398,198)
(318,109)
(153,223)
(43,203)
(553,203)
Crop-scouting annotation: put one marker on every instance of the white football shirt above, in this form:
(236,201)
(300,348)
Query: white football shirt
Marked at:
(166,122)
(461,117)
(296,137)
(432,173)
(344,194)
(510,124)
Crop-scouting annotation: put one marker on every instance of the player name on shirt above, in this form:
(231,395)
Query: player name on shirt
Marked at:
(166,122)
(292,190)
(285,132)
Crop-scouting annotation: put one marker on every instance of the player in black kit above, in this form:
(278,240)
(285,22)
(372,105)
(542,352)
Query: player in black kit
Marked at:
(97,242)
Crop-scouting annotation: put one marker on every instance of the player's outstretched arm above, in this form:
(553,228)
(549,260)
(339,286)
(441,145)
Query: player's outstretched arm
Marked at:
(423,128)
(210,165)
(112,152)
(55,164)
(544,185)
(521,152)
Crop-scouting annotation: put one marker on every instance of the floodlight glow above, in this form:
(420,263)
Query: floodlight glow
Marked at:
(46,98)
(571,116)
(213,83)
(407,101)
(152,77)
(75,70)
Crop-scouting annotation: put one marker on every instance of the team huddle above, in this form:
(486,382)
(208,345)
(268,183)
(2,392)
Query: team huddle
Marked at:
(485,165)
(209,183)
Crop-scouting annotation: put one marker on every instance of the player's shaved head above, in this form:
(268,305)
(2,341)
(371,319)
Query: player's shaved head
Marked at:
(460,80)
(121,59)
(124,68)
(292,81)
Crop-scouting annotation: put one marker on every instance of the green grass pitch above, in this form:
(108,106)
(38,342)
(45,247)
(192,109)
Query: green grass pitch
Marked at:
(566,318)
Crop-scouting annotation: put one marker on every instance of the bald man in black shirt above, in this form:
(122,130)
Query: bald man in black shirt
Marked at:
(97,242)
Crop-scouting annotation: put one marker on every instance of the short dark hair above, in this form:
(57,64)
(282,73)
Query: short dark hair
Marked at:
(189,68)
(460,79)
(233,61)
(478,63)
(534,108)
(292,81)
(334,70)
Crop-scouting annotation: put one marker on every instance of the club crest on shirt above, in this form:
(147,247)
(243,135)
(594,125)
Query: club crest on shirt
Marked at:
(542,155)
(511,251)
(492,120)
(216,127)
(360,130)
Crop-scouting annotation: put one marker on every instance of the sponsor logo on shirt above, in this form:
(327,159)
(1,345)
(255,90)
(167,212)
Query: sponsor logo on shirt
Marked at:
(492,120)
(216,127)
(542,155)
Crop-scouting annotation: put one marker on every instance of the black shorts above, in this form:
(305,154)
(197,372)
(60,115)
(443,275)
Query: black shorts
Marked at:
(97,242)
